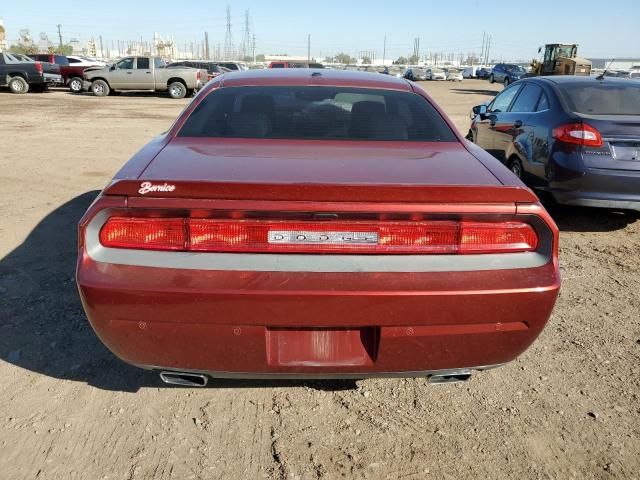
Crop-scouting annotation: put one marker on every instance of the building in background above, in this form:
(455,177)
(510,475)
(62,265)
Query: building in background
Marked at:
(3,37)
(615,64)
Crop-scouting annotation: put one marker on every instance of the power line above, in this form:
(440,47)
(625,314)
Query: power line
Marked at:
(228,38)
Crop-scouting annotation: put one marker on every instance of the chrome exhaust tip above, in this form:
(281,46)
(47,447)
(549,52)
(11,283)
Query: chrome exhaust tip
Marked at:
(452,376)
(184,379)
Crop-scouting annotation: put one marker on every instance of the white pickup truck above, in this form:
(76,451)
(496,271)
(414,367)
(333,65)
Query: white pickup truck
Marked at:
(144,74)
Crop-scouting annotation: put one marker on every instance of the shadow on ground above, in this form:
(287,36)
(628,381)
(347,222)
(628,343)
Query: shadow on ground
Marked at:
(585,219)
(43,327)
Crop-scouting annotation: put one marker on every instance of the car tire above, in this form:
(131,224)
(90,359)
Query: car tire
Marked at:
(515,165)
(75,85)
(177,90)
(506,82)
(491,79)
(18,85)
(100,88)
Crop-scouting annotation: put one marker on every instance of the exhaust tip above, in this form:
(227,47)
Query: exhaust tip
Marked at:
(450,377)
(184,379)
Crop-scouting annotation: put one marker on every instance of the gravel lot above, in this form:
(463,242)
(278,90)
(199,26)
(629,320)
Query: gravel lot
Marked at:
(568,408)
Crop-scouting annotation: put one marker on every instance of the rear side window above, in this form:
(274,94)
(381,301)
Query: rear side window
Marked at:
(74,60)
(316,113)
(143,63)
(61,60)
(602,98)
(527,99)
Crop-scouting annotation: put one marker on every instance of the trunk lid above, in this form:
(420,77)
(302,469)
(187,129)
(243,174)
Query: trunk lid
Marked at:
(318,171)
(620,142)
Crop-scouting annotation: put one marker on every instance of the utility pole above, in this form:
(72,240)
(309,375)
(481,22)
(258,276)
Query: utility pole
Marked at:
(101,48)
(228,38)
(206,46)
(60,35)
(384,49)
(486,61)
(309,48)
(482,49)
(253,48)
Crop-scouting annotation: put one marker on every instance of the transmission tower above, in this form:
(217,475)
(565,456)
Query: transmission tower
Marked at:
(246,45)
(228,38)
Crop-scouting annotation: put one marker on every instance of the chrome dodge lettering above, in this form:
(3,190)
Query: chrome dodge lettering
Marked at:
(282,236)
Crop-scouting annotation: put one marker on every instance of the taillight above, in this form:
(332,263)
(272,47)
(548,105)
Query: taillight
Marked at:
(144,233)
(356,237)
(578,134)
(39,67)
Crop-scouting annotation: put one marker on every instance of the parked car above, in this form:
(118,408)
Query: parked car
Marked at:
(72,74)
(454,75)
(86,62)
(212,68)
(436,74)
(21,75)
(233,65)
(506,73)
(483,73)
(295,65)
(334,225)
(469,72)
(144,73)
(415,73)
(577,138)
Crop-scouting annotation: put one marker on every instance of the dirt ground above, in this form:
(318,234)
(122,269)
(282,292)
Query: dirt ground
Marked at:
(568,408)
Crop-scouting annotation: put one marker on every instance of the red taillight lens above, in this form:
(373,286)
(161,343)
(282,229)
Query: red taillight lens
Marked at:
(476,237)
(578,134)
(264,236)
(308,237)
(39,67)
(144,233)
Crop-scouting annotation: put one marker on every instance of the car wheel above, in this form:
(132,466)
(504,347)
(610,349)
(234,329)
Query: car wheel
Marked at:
(75,85)
(100,88)
(516,168)
(491,79)
(18,85)
(177,90)
(506,82)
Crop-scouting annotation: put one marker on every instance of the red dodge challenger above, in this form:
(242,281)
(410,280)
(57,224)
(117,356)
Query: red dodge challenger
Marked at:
(316,224)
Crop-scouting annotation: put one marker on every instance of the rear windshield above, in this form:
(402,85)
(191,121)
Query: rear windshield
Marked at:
(317,113)
(600,98)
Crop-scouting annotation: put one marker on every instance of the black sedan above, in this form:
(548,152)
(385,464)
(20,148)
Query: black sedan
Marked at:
(577,138)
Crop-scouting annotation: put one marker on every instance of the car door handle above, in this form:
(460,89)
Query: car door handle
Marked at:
(148,73)
(129,73)
(517,124)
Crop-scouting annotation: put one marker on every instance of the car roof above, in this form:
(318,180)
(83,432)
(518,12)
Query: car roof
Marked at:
(312,76)
(572,79)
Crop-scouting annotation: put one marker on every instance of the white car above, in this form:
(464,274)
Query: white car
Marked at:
(77,61)
(454,75)
(436,74)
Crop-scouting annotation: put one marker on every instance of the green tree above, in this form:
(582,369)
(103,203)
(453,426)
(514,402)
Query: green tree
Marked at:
(401,61)
(260,57)
(23,49)
(366,60)
(64,50)
(344,58)
(413,59)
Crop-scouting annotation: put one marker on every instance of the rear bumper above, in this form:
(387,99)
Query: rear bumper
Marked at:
(52,78)
(315,324)
(600,188)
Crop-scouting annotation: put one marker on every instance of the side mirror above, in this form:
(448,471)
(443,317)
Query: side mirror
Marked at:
(478,110)
(113,67)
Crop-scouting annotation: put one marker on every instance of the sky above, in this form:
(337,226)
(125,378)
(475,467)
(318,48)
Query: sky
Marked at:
(603,29)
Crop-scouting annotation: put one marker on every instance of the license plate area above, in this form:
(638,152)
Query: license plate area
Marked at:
(322,347)
(625,151)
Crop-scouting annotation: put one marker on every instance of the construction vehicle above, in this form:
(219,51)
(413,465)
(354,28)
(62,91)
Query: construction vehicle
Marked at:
(560,59)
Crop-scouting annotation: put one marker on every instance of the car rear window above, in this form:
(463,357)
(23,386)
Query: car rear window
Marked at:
(316,112)
(602,98)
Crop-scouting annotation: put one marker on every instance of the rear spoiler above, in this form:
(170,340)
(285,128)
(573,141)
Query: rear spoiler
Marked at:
(321,192)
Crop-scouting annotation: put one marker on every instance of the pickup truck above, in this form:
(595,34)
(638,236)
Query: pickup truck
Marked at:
(144,73)
(21,75)
(72,75)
